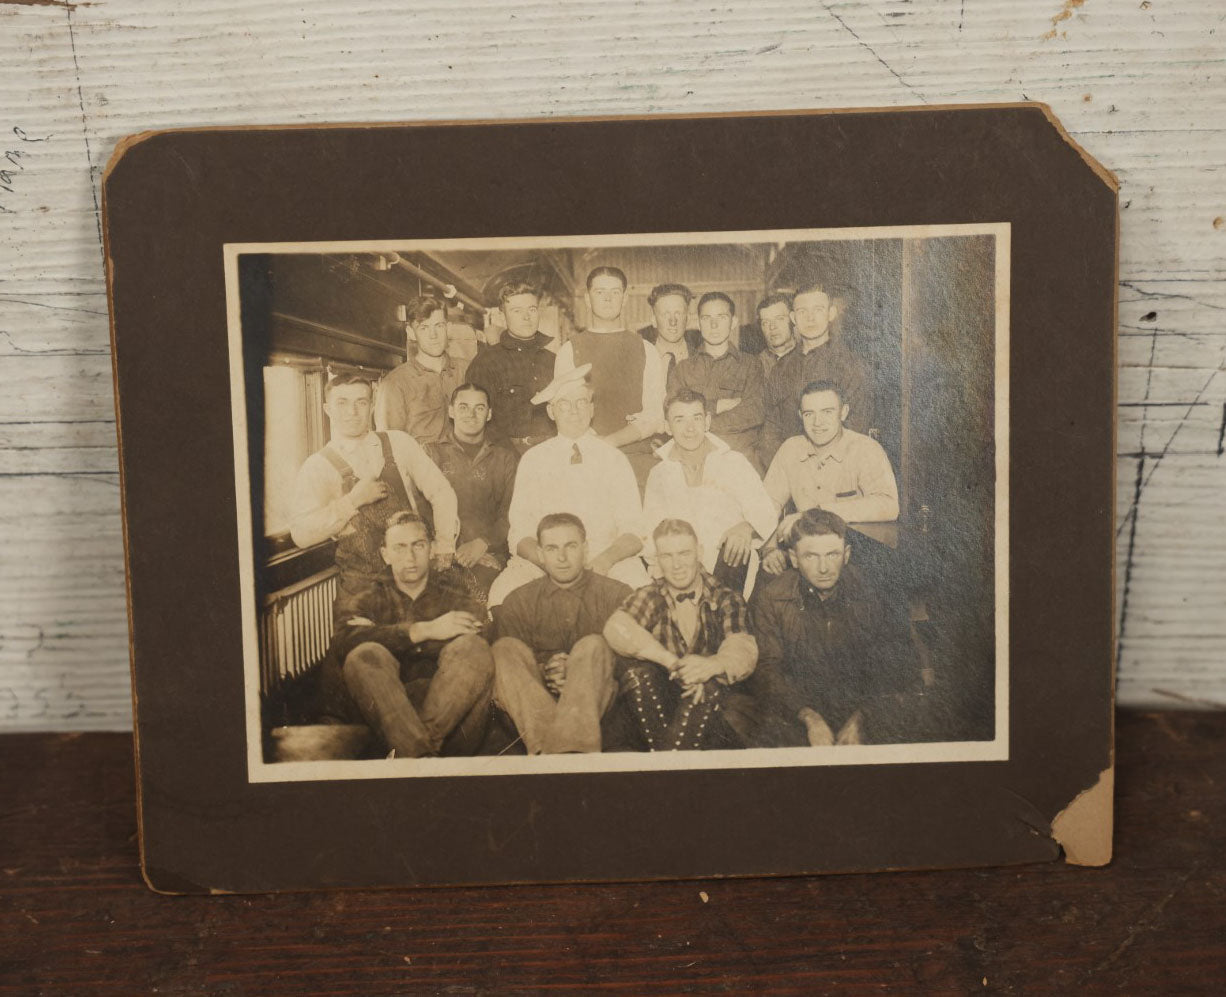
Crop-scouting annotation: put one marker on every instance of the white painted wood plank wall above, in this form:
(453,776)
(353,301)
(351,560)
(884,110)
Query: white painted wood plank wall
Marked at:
(1141,85)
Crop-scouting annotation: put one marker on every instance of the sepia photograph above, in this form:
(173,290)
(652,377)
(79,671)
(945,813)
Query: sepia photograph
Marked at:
(693,500)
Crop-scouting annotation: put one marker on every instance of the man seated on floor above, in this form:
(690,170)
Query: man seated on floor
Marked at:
(576,472)
(836,663)
(553,671)
(830,467)
(412,653)
(687,638)
(482,474)
(703,481)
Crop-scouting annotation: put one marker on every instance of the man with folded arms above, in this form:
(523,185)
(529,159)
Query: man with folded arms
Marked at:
(730,381)
(819,355)
(576,472)
(703,481)
(836,664)
(553,669)
(687,639)
(413,655)
(830,467)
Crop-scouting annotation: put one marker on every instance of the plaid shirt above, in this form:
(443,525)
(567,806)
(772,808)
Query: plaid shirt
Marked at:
(721,613)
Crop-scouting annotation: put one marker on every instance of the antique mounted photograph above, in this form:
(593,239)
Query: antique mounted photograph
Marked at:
(662,497)
(686,500)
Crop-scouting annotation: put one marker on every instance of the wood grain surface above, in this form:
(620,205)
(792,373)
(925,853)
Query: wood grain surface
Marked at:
(76,918)
(1141,85)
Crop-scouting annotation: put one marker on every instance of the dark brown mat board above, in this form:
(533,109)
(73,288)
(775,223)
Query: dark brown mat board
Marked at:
(212,819)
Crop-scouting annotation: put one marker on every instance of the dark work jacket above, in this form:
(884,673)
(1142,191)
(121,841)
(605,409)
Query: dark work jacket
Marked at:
(835,655)
(483,486)
(512,371)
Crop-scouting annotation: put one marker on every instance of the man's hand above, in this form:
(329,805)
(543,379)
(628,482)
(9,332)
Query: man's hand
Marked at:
(449,625)
(694,669)
(366,491)
(737,544)
(441,560)
(726,405)
(851,732)
(820,734)
(470,553)
(775,562)
(555,672)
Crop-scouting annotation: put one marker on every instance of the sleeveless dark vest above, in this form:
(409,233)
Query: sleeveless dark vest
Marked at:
(617,360)
(357,553)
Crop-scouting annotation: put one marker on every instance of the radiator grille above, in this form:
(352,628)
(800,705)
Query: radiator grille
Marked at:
(295,628)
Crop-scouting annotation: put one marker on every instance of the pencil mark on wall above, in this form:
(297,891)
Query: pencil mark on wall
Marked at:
(1128,559)
(89,158)
(872,51)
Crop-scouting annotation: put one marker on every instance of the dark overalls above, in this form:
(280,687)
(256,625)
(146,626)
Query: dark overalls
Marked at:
(357,551)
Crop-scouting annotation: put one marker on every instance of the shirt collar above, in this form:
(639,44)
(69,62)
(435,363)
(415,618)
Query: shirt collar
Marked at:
(444,360)
(706,591)
(584,442)
(580,583)
(452,439)
(348,445)
(668,451)
(511,343)
(836,450)
(729,354)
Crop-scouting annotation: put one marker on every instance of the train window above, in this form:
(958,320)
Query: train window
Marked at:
(295,428)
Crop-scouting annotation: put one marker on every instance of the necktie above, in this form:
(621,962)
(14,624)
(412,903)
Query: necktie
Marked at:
(683,596)
(576,456)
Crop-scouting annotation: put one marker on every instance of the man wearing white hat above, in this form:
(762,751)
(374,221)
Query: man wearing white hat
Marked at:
(574,472)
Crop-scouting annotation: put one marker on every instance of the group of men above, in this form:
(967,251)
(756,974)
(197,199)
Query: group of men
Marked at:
(636,542)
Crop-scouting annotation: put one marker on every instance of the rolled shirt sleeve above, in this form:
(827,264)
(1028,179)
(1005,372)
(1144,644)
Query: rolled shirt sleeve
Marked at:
(877,501)
(319,510)
(416,467)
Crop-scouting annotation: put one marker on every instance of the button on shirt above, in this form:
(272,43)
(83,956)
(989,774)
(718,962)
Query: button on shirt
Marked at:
(850,477)
(729,493)
(600,489)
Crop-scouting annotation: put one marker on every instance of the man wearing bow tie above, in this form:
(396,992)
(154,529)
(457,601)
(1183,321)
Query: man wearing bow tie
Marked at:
(687,640)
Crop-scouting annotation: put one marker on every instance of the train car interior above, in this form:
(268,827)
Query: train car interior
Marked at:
(908,307)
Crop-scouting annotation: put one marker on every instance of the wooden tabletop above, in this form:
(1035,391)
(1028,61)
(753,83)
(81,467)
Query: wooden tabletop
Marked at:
(75,916)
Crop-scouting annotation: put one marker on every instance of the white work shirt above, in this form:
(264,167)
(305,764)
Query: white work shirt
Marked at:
(321,510)
(730,493)
(601,490)
(850,477)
